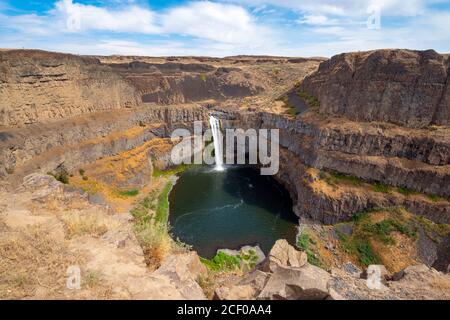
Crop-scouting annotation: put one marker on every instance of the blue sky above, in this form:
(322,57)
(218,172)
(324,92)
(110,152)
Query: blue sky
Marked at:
(222,28)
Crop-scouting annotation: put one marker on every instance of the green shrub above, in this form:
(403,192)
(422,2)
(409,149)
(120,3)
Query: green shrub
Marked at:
(152,235)
(82,172)
(162,209)
(340,177)
(292,111)
(312,102)
(379,187)
(171,171)
(434,197)
(249,258)
(62,177)
(405,191)
(367,255)
(223,262)
(383,229)
(303,242)
(128,193)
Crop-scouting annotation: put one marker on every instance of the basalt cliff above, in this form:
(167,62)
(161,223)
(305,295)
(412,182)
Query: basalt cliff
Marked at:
(364,152)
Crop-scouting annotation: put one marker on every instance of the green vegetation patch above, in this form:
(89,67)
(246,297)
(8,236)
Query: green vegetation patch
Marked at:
(382,230)
(312,101)
(171,171)
(379,187)
(431,228)
(365,231)
(340,177)
(249,258)
(151,225)
(162,208)
(223,262)
(406,191)
(436,198)
(128,193)
(304,242)
(290,110)
(62,177)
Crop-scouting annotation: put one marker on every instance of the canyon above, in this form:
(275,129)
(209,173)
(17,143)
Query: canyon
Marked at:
(364,154)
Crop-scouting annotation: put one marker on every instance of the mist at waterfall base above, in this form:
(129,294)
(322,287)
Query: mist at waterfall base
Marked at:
(228,209)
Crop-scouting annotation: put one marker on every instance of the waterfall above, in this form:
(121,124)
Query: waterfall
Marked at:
(218,142)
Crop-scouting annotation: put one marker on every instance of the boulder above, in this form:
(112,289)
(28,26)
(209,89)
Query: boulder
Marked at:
(257,279)
(183,270)
(352,270)
(239,292)
(284,255)
(36,181)
(305,283)
(248,288)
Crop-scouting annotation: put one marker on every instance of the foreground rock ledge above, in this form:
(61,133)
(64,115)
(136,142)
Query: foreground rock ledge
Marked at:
(286,275)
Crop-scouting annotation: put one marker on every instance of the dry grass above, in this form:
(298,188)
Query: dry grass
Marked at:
(399,256)
(155,242)
(80,225)
(150,225)
(93,278)
(32,262)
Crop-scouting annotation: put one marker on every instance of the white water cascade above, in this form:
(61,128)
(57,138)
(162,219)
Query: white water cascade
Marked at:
(218,142)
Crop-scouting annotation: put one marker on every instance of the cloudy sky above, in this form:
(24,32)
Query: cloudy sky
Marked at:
(224,27)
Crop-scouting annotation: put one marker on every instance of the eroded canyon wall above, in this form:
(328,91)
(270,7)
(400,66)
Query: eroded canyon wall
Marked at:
(169,83)
(38,86)
(409,88)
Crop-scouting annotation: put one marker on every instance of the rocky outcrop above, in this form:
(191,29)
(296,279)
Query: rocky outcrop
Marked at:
(308,282)
(413,283)
(283,254)
(184,270)
(305,283)
(50,228)
(38,86)
(410,88)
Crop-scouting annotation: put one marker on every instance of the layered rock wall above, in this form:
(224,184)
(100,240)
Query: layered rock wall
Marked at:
(168,83)
(410,88)
(80,140)
(38,86)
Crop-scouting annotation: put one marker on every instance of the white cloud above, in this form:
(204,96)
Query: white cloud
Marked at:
(214,21)
(87,17)
(323,28)
(349,8)
(224,23)
(317,20)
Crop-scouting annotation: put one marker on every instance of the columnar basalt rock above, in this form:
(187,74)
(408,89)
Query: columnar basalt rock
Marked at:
(81,140)
(409,88)
(37,86)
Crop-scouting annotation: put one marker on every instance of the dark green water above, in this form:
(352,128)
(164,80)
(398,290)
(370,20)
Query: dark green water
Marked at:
(214,210)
